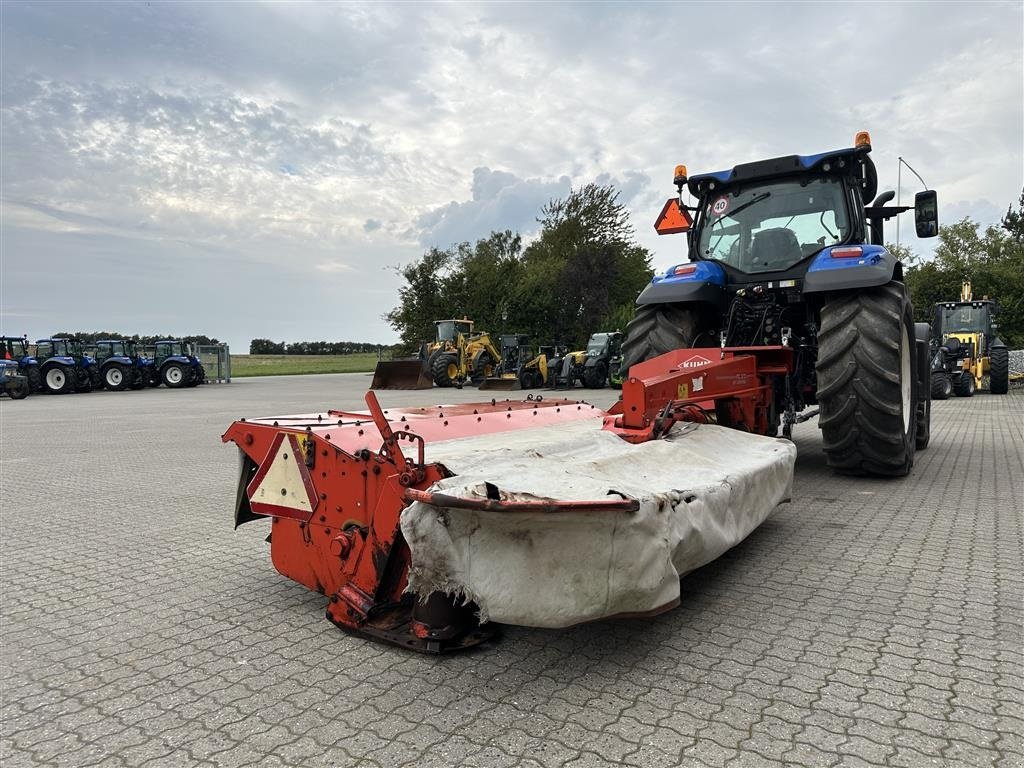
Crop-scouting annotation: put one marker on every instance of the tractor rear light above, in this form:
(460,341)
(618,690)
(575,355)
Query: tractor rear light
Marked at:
(684,269)
(852,252)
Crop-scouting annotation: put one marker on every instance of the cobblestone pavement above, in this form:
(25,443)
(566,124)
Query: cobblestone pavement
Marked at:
(866,623)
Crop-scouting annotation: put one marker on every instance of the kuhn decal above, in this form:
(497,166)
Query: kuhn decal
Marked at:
(696,362)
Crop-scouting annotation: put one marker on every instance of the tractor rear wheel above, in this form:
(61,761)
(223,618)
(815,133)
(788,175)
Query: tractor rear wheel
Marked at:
(661,328)
(35,378)
(59,380)
(595,376)
(999,371)
(174,375)
(115,377)
(942,387)
(964,385)
(867,390)
(445,370)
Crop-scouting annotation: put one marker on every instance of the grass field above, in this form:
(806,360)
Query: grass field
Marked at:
(291,365)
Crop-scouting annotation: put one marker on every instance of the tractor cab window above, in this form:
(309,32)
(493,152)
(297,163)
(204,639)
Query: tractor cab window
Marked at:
(964,319)
(771,227)
(44,349)
(61,348)
(116,349)
(597,346)
(446,330)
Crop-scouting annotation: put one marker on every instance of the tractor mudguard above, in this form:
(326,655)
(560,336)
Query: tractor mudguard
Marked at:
(117,359)
(844,267)
(703,281)
(69,361)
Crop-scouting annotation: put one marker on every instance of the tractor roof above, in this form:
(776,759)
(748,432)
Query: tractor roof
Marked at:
(788,166)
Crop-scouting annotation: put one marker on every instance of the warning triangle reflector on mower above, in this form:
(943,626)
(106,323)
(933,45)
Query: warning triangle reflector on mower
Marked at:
(672,219)
(282,487)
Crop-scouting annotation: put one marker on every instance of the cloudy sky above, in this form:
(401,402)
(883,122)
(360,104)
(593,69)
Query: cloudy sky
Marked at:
(259,170)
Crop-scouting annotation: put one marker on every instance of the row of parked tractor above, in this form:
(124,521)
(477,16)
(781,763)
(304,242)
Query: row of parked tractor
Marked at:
(61,366)
(459,356)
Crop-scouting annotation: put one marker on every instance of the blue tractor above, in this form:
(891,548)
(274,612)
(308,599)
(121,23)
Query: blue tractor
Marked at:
(65,367)
(16,349)
(176,365)
(120,365)
(789,252)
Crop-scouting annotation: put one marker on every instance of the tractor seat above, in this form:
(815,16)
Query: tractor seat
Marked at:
(775,248)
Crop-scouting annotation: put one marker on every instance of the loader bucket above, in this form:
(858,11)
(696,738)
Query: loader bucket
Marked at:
(505,383)
(400,374)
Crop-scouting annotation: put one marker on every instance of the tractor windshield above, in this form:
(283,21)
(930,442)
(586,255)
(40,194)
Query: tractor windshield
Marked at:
(965,318)
(598,344)
(773,226)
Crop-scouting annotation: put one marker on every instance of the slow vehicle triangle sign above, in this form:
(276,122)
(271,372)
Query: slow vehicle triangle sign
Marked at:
(672,219)
(282,487)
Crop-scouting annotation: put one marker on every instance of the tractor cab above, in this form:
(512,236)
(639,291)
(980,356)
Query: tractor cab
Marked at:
(604,344)
(107,348)
(51,348)
(449,330)
(15,348)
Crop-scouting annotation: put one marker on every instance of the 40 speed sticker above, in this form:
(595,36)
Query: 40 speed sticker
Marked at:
(720,206)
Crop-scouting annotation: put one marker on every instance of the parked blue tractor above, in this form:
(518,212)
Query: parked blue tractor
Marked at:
(121,366)
(65,367)
(176,365)
(15,348)
(789,253)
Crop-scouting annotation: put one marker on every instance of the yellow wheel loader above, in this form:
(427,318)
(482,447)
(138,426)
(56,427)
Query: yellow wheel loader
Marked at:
(968,348)
(460,355)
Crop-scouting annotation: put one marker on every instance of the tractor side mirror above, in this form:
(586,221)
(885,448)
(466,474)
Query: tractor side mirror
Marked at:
(926,213)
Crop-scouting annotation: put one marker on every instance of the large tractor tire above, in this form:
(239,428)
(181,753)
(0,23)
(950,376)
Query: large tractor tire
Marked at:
(83,381)
(35,378)
(942,386)
(867,387)
(482,367)
(999,371)
(661,328)
(59,380)
(445,370)
(116,377)
(174,375)
(595,376)
(964,385)
(21,391)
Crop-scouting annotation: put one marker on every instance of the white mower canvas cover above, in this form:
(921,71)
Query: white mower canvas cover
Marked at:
(702,489)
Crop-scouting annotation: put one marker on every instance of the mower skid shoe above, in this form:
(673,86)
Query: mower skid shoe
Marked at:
(435,626)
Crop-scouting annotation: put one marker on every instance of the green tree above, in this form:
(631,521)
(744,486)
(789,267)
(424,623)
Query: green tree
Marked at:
(581,275)
(992,260)
(586,266)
